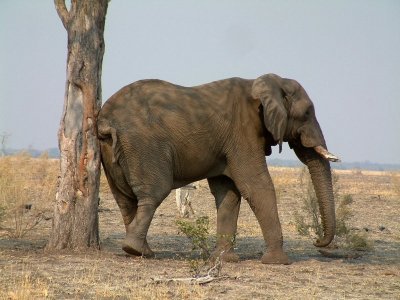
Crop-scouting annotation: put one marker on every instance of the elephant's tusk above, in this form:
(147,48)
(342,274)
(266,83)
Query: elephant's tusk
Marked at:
(326,154)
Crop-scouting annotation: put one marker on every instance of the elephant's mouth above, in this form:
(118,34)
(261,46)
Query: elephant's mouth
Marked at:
(326,154)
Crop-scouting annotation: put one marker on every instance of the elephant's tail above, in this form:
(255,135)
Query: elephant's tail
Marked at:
(105,131)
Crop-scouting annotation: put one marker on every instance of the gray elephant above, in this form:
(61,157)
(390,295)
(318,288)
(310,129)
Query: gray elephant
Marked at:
(156,136)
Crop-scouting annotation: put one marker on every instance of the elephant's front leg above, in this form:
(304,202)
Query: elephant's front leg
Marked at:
(267,216)
(262,200)
(255,185)
(227,199)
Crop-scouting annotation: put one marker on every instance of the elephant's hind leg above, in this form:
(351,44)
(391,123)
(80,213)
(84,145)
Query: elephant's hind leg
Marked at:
(148,172)
(130,211)
(135,242)
(227,199)
(149,197)
(128,205)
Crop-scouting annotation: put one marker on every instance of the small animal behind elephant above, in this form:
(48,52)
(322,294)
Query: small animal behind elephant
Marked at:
(156,136)
(184,199)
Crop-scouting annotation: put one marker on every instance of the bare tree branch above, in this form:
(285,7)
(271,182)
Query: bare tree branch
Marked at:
(187,280)
(62,12)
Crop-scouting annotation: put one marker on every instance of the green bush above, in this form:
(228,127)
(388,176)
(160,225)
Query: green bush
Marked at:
(198,233)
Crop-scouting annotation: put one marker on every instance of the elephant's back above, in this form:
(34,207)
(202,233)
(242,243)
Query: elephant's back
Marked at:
(161,106)
(154,99)
(164,97)
(136,94)
(150,107)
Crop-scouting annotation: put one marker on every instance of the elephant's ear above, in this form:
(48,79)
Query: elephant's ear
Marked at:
(268,88)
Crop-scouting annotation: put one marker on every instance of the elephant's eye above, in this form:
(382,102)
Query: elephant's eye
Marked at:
(308,113)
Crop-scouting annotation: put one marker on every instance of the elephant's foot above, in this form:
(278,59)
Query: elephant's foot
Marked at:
(137,248)
(225,255)
(275,257)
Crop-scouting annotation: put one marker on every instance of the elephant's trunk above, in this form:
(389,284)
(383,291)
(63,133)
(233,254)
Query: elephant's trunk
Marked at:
(321,177)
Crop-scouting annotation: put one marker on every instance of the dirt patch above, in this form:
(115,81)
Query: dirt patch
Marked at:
(27,272)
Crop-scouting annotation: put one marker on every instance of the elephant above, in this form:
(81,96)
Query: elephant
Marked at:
(156,136)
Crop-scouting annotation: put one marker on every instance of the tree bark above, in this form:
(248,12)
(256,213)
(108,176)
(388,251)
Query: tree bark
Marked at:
(75,222)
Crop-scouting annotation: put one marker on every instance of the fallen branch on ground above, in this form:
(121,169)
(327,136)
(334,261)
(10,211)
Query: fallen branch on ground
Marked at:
(216,268)
(189,280)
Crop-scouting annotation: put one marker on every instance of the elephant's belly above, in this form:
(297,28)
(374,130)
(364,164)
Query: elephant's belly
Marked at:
(193,170)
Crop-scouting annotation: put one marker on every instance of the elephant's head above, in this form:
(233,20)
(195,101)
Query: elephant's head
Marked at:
(289,116)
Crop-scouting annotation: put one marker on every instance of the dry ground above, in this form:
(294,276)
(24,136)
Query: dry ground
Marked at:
(27,272)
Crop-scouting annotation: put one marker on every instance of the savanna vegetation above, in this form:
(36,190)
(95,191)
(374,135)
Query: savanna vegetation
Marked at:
(362,263)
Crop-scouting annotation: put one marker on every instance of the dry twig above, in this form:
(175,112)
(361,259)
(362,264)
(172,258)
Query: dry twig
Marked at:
(216,268)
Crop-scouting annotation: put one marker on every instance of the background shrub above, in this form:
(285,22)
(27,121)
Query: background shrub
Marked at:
(307,220)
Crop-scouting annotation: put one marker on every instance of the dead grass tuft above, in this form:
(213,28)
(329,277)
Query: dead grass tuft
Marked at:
(395,179)
(168,291)
(27,187)
(25,287)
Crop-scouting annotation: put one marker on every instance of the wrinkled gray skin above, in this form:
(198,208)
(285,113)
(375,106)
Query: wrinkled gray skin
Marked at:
(156,136)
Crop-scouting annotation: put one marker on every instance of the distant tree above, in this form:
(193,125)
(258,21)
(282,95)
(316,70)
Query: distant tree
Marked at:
(75,222)
(3,142)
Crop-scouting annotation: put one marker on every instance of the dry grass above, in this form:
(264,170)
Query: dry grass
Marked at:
(88,280)
(27,186)
(396,183)
(27,272)
(24,287)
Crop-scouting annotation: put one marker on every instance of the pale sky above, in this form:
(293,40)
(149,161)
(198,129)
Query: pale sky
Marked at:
(346,54)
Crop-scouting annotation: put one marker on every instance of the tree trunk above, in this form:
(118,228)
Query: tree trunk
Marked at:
(75,222)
